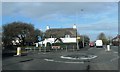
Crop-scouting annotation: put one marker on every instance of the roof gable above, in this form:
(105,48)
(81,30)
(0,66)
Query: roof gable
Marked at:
(118,36)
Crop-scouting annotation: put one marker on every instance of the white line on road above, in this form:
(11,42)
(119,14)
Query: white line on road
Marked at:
(48,59)
(74,62)
(63,61)
(114,58)
(79,58)
(115,52)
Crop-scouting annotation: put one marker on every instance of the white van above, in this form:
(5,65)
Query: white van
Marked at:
(99,43)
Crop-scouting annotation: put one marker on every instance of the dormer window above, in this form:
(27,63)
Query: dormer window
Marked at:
(67,36)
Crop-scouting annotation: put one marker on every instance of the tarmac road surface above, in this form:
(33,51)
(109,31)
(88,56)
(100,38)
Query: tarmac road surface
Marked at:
(37,60)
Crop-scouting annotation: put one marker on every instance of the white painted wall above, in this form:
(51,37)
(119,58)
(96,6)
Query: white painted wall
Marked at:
(69,40)
(65,40)
(51,40)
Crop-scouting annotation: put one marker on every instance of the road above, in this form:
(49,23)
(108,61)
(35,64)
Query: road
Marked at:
(65,60)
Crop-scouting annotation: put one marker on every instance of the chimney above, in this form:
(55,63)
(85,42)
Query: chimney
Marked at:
(74,26)
(47,27)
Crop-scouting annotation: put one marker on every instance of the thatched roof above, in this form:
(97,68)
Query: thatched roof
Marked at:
(60,32)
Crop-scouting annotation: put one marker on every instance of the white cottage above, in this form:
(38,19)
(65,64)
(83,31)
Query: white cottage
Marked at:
(67,35)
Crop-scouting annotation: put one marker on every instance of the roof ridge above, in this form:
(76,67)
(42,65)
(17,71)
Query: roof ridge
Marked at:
(61,28)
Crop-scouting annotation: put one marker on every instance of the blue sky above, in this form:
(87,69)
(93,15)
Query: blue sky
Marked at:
(91,18)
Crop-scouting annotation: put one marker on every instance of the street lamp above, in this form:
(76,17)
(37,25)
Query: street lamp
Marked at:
(43,46)
(77,40)
(76,28)
(83,41)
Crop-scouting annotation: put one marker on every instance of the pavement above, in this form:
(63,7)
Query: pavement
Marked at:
(36,60)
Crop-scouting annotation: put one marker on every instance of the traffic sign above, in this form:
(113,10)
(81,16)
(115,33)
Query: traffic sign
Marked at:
(78,37)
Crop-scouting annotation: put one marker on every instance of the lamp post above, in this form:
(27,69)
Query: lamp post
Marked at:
(43,46)
(118,39)
(76,29)
(83,42)
(77,40)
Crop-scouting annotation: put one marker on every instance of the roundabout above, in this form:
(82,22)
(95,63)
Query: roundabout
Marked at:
(80,58)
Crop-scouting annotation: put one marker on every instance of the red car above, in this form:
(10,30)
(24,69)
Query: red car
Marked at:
(91,44)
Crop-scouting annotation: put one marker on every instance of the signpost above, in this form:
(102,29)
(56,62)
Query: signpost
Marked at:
(78,37)
(77,43)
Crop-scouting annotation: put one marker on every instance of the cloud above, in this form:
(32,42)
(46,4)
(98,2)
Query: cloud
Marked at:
(99,27)
(41,9)
(95,17)
(59,0)
(93,30)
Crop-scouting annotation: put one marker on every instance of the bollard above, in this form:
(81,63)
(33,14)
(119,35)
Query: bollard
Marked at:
(108,47)
(18,51)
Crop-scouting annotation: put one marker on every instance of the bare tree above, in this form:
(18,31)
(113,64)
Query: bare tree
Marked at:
(102,37)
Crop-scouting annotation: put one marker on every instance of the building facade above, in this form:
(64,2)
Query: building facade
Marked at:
(66,35)
(116,40)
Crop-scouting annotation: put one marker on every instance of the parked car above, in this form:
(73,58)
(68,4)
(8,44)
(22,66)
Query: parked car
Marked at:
(91,44)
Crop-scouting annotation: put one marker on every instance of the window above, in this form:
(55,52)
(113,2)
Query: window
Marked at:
(67,36)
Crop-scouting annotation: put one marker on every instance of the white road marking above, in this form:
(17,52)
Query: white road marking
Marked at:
(74,62)
(68,58)
(48,59)
(114,58)
(81,58)
(115,52)
(63,61)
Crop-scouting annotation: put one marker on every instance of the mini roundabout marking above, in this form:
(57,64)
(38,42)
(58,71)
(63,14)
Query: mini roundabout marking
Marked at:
(73,58)
(51,60)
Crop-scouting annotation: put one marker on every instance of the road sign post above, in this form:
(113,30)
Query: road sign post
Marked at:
(77,43)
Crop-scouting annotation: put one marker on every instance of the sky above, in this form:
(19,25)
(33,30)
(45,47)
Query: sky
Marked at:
(91,18)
